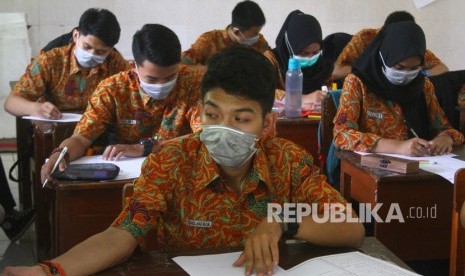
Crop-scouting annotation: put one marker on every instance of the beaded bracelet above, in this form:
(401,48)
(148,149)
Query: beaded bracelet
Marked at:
(52,268)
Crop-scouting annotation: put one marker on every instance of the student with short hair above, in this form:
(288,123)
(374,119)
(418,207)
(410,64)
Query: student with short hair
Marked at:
(301,37)
(210,189)
(157,100)
(353,50)
(247,21)
(387,105)
(63,79)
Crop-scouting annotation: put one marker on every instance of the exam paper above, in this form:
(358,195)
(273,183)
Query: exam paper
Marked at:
(66,117)
(353,263)
(129,167)
(216,264)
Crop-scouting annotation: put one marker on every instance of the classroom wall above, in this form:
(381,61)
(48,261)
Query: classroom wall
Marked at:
(442,21)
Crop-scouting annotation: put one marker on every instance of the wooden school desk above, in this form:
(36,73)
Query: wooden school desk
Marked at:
(47,136)
(161,263)
(420,194)
(303,132)
(457,246)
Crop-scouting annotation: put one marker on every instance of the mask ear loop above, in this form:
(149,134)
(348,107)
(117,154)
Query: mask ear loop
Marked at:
(288,44)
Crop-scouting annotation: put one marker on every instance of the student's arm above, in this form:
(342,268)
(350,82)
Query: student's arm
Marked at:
(199,51)
(18,106)
(340,71)
(99,252)
(77,146)
(438,69)
(433,65)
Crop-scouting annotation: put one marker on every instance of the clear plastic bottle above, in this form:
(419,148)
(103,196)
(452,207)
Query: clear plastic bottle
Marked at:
(294,80)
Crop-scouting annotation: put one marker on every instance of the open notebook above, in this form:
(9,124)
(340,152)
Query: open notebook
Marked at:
(352,263)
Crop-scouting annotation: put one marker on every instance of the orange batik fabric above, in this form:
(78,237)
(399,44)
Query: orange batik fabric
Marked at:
(119,101)
(363,117)
(213,42)
(181,195)
(55,76)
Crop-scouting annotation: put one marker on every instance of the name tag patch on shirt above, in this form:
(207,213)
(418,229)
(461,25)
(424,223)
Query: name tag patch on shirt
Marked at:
(128,122)
(199,223)
(376,115)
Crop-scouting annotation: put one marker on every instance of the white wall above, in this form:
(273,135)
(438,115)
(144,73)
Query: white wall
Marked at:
(442,21)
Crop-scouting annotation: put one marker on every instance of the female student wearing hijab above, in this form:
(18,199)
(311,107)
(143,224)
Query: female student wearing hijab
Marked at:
(301,37)
(387,105)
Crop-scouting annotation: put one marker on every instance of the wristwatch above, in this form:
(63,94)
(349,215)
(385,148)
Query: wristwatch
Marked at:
(148,144)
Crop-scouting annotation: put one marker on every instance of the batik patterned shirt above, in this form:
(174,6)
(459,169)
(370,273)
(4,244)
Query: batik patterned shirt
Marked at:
(181,195)
(360,41)
(56,76)
(363,117)
(213,42)
(120,101)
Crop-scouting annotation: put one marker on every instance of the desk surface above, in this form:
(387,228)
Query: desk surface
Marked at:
(420,237)
(159,263)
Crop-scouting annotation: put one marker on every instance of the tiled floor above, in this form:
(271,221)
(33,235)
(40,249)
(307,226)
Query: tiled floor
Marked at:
(22,251)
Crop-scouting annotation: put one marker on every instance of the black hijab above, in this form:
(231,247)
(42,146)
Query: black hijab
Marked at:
(303,29)
(396,42)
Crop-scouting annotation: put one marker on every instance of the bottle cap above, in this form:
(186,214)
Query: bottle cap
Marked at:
(294,64)
(334,86)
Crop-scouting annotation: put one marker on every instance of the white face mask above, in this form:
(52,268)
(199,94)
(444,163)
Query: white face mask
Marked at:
(247,41)
(158,91)
(86,59)
(398,77)
(228,146)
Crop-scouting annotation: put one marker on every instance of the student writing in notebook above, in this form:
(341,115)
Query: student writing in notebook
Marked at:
(246,23)
(387,105)
(301,37)
(64,78)
(210,189)
(157,100)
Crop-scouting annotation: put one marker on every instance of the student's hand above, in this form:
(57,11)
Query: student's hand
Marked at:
(24,271)
(47,110)
(46,171)
(440,145)
(261,249)
(115,152)
(415,147)
(312,99)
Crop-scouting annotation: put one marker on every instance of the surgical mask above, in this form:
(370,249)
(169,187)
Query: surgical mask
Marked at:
(86,59)
(399,77)
(304,61)
(157,91)
(247,41)
(307,61)
(228,146)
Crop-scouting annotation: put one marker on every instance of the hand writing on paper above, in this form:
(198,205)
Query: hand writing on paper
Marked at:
(312,99)
(415,147)
(116,152)
(261,249)
(440,145)
(47,110)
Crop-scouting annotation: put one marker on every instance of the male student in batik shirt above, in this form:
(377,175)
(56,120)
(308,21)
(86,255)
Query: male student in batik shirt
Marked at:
(247,21)
(158,100)
(210,189)
(63,79)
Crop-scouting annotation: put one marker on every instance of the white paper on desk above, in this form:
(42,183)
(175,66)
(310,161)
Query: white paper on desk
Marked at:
(129,167)
(216,264)
(352,263)
(65,118)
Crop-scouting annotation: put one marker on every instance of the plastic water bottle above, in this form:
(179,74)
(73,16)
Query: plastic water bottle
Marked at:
(294,79)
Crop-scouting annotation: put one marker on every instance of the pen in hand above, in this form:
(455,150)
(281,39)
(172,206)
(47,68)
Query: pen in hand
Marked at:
(412,131)
(62,154)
